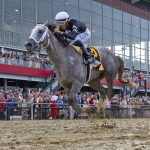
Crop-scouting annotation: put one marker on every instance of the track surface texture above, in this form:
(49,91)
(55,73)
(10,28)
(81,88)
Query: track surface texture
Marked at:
(93,134)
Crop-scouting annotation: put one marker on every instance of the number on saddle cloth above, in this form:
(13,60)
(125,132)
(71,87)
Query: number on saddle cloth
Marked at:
(95,52)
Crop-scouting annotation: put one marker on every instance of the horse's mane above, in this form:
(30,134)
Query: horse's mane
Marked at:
(51,27)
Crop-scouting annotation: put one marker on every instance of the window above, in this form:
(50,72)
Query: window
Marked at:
(29,2)
(84,4)
(96,7)
(144,23)
(73,12)
(24,38)
(44,11)
(136,63)
(0,20)
(16,39)
(117,37)
(1,6)
(135,21)
(12,24)
(107,44)
(1,41)
(84,16)
(117,26)
(107,34)
(144,65)
(96,19)
(8,38)
(12,9)
(126,28)
(137,52)
(27,27)
(72,2)
(117,14)
(96,41)
(107,23)
(118,49)
(126,17)
(143,54)
(144,34)
(28,13)
(96,31)
(126,49)
(126,39)
(136,41)
(107,11)
(127,62)
(135,31)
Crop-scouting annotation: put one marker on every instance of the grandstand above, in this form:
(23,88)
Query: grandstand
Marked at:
(121,25)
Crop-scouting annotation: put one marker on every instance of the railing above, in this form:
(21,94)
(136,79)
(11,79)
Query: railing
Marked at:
(32,111)
(26,63)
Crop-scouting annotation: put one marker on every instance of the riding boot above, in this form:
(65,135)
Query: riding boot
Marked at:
(87,55)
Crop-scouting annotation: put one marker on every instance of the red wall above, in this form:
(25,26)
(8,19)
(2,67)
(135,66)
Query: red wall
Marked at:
(127,8)
(25,71)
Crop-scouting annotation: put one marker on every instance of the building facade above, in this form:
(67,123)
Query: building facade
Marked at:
(116,24)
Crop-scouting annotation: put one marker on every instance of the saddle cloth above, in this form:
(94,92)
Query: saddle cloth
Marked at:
(93,50)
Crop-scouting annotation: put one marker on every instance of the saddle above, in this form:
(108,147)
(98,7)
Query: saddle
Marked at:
(93,50)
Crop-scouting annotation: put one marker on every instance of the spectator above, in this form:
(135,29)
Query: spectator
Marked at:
(54,107)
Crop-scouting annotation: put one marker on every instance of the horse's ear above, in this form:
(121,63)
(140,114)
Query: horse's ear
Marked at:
(46,23)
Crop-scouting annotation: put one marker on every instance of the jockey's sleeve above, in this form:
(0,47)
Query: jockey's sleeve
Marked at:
(71,35)
(74,31)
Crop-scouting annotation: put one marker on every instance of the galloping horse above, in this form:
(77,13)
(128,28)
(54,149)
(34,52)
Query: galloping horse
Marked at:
(70,70)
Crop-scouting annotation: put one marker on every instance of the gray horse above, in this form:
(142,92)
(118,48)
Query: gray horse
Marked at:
(70,70)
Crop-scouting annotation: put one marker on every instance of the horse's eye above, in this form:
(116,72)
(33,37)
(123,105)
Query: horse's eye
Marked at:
(40,31)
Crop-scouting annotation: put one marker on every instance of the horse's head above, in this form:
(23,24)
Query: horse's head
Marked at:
(38,38)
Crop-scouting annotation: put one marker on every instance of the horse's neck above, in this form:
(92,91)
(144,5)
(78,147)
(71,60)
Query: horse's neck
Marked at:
(55,50)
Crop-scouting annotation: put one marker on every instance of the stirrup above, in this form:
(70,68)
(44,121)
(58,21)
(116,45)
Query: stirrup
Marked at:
(96,64)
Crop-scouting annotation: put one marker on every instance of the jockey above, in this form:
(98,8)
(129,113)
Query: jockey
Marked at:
(77,32)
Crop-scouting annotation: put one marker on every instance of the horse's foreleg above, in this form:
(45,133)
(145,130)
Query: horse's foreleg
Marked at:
(75,89)
(96,85)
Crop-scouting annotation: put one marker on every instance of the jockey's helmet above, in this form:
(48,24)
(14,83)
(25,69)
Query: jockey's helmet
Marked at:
(61,17)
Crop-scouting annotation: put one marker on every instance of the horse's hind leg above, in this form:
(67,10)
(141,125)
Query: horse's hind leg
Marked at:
(110,77)
(96,85)
(110,88)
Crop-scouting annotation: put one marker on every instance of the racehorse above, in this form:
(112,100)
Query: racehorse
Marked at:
(70,70)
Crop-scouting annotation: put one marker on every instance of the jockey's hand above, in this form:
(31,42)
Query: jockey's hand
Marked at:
(57,31)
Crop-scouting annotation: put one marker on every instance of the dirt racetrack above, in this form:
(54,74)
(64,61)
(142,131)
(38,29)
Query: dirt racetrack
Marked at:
(96,134)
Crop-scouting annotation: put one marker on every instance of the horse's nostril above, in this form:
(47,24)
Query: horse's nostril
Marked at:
(28,44)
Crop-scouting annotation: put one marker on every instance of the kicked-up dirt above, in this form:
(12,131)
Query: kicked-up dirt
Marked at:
(94,134)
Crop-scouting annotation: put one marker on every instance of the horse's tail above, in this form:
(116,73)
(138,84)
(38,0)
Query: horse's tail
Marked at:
(121,71)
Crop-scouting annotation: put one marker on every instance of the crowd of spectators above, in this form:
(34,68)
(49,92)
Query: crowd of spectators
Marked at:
(128,106)
(25,60)
(52,106)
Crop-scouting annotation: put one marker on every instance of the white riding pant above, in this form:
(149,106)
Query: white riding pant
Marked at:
(83,37)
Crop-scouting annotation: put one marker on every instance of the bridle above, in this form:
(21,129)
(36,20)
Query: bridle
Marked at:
(43,37)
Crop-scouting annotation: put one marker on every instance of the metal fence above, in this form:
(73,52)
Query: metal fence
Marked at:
(33,111)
